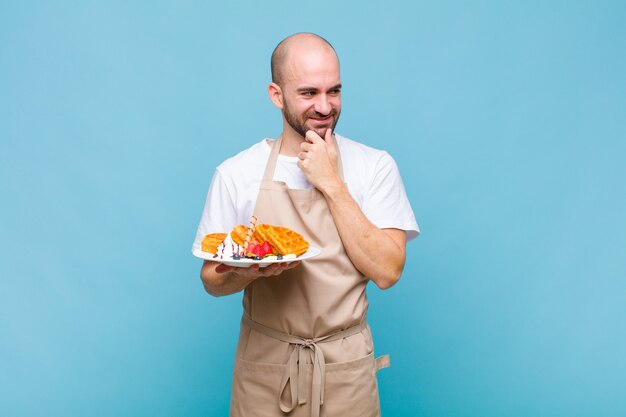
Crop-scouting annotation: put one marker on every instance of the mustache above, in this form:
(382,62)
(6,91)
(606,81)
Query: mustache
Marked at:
(317,115)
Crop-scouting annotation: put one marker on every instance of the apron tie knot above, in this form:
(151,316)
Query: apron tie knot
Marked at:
(306,352)
(294,376)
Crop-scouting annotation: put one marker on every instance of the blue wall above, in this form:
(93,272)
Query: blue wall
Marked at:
(507,120)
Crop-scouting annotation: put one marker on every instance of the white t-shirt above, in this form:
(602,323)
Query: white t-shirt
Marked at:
(371,175)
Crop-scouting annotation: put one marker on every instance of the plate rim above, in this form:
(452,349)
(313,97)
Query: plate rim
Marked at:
(199,253)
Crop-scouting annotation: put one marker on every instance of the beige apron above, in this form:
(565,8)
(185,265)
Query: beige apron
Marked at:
(305,348)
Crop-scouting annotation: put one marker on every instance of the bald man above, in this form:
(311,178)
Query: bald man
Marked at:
(305,348)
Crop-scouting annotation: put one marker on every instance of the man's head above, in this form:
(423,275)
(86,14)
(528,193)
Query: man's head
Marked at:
(305,83)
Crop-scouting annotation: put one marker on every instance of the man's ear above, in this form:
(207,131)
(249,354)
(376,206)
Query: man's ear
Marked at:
(276,95)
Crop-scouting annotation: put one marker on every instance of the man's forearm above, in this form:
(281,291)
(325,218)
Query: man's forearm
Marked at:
(379,254)
(224,283)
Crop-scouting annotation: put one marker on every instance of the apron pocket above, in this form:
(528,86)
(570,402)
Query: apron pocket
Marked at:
(255,389)
(351,389)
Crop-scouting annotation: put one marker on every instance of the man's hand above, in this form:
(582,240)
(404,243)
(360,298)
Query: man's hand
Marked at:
(318,160)
(220,279)
(254,271)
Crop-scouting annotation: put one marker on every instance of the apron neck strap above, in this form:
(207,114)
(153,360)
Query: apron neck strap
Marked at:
(271,163)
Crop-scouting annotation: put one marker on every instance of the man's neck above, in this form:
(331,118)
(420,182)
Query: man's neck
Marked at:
(291,142)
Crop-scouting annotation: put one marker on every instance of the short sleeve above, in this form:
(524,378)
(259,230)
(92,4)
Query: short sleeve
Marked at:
(219,210)
(385,202)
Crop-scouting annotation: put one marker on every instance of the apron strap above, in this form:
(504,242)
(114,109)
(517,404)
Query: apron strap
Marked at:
(382,362)
(268,175)
(294,375)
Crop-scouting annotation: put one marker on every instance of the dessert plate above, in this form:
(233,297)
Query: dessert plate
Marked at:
(246,262)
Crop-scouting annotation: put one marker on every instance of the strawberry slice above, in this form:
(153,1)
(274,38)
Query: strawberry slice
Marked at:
(267,249)
(258,250)
(250,252)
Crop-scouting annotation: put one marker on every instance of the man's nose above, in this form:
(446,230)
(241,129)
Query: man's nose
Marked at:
(322,105)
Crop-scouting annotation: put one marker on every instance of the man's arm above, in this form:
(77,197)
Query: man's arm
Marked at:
(220,279)
(379,254)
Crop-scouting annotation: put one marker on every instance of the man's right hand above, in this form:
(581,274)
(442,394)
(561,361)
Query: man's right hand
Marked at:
(255,271)
(220,279)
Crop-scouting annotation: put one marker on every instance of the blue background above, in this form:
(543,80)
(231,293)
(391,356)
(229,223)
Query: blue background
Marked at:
(507,120)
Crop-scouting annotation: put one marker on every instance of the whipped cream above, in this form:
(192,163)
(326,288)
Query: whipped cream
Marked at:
(228,248)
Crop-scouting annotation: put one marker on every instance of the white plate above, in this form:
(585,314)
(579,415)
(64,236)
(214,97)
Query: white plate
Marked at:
(245,262)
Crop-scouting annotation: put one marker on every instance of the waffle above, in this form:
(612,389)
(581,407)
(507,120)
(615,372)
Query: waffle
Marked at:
(238,234)
(282,239)
(212,241)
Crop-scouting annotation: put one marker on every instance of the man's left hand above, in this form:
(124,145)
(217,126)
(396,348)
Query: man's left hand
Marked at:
(318,160)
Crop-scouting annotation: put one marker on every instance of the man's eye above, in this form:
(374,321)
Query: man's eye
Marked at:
(308,93)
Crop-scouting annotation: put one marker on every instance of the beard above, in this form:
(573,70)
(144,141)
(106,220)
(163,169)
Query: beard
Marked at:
(299,123)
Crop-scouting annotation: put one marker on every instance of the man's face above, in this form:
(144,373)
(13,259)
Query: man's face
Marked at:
(312,92)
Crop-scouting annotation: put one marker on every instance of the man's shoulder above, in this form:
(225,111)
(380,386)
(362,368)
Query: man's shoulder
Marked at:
(355,150)
(250,158)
